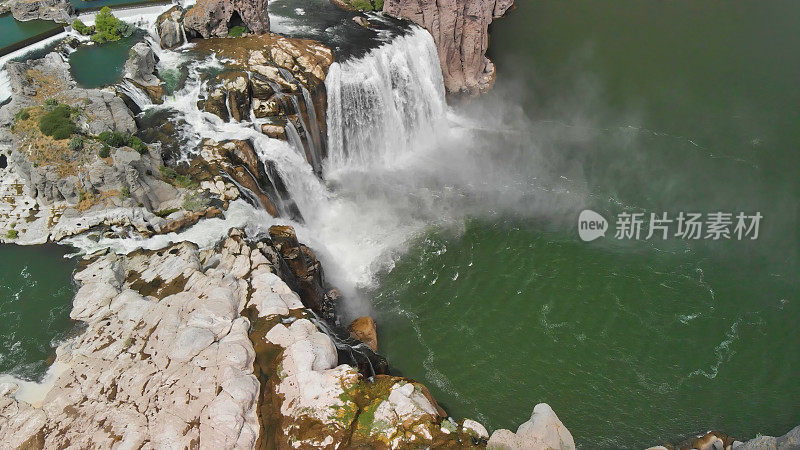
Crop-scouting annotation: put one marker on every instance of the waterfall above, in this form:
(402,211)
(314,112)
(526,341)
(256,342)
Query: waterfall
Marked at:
(5,86)
(134,93)
(183,34)
(316,137)
(383,103)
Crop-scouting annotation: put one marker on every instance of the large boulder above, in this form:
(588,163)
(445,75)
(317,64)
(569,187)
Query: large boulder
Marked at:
(55,10)
(141,65)
(542,431)
(460,29)
(364,330)
(170,28)
(211,18)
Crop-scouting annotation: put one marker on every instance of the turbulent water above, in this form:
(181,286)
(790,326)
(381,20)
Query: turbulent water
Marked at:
(34,309)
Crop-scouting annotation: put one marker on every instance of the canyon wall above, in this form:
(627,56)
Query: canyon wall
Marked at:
(461,31)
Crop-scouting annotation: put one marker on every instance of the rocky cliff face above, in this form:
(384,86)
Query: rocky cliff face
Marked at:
(461,31)
(55,10)
(188,348)
(215,17)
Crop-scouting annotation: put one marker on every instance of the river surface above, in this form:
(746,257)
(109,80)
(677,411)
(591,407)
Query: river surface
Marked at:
(638,106)
(14,31)
(36,292)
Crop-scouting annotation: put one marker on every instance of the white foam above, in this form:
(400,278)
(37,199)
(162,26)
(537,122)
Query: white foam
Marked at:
(34,392)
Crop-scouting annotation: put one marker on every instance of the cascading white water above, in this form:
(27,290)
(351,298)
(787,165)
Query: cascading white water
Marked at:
(380,104)
(134,93)
(399,161)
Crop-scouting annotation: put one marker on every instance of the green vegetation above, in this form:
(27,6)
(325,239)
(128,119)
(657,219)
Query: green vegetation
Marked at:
(50,104)
(82,28)
(166,212)
(116,140)
(177,179)
(108,28)
(104,151)
(57,122)
(113,139)
(194,202)
(12,234)
(137,144)
(124,193)
(237,31)
(76,143)
(22,114)
(366,5)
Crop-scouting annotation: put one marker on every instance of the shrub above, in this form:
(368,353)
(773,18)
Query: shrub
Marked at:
(137,144)
(76,143)
(82,28)
(22,114)
(185,181)
(104,152)
(57,123)
(237,31)
(108,28)
(168,172)
(113,139)
(12,234)
(125,193)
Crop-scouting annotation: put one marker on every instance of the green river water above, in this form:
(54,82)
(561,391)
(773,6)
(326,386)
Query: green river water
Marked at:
(36,292)
(12,31)
(647,106)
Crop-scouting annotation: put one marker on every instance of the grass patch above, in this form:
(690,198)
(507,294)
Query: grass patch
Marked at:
(57,123)
(237,31)
(194,202)
(12,234)
(177,179)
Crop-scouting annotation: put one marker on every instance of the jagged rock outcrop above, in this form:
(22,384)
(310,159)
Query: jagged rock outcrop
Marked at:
(280,79)
(789,441)
(210,18)
(309,280)
(56,10)
(165,360)
(543,431)
(169,26)
(141,65)
(461,31)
